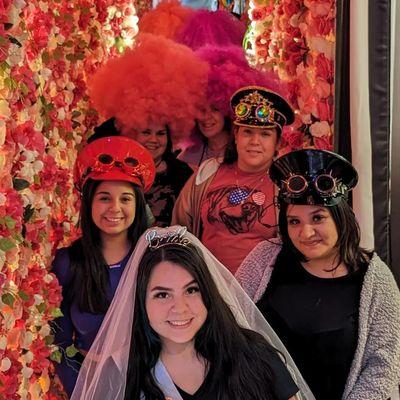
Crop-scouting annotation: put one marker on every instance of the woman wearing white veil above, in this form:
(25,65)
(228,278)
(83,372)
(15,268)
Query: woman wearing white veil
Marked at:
(250,371)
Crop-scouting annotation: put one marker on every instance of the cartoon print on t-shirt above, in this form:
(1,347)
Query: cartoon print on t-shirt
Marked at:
(238,208)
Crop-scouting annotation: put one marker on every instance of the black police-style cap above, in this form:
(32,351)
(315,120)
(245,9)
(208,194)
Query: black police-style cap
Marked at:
(256,106)
(312,176)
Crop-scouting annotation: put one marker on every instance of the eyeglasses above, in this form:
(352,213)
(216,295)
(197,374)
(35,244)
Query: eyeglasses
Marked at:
(324,184)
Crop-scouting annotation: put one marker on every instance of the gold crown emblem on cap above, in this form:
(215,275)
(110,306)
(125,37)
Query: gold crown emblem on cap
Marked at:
(264,112)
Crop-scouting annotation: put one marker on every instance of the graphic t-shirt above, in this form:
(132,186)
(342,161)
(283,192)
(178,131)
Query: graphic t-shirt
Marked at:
(238,212)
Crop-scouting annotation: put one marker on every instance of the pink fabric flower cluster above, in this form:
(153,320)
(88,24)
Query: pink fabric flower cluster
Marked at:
(48,49)
(296,39)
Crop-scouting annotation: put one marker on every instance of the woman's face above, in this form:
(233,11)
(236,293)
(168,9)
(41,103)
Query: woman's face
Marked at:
(155,139)
(212,122)
(174,305)
(256,147)
(113,208)
(313,232)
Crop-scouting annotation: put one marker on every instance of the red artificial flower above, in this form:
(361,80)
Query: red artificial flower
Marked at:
(319,8)
(13,208)
(291,7)
(324,68)
(9,380)
(85,15)
(294,139)
(323,142)
(26,135)
(41,353)
(39,24)
(325,110)
(258,14)
(53,293)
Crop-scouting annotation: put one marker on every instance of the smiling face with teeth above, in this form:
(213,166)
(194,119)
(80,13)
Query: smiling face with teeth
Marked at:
(113,208)
(174,305)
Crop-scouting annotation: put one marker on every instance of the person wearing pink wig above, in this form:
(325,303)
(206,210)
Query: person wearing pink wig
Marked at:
(229,206)
(215,28)
(229,71)
(155,91)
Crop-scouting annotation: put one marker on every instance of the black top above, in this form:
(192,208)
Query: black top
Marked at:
(166,188)
(317,320)
(284,384)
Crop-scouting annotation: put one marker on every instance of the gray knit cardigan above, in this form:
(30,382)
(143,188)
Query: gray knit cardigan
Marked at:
(375,371)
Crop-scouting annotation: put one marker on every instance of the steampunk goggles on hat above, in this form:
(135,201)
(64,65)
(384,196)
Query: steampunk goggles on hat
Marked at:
(313,177)
(256,106)
(115,158)
(324,184)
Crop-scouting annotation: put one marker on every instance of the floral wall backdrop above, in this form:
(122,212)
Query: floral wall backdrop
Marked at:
(48,49)
(296,38)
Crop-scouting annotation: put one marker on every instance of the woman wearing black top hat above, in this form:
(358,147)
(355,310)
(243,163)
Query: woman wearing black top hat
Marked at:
(334,305)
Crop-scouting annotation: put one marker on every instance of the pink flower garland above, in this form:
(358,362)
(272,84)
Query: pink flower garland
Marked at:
(296,39)
(47,49)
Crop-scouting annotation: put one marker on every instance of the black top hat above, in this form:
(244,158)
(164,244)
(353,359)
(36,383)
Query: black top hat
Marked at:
(313,176)
(106,129)
(256,106)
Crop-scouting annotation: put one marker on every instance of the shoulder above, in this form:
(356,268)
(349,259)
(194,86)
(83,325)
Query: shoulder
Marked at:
(379,275)
(192,154)
(255,271)
(61,266)
(207,170)
(380,296)
(263,255)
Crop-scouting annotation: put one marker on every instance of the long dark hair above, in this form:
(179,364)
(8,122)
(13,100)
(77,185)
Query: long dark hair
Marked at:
(238,359)
(168,153)
(231,154)
(88,266)
(348,244)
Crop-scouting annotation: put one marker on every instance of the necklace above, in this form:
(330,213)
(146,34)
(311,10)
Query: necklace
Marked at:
(240,195)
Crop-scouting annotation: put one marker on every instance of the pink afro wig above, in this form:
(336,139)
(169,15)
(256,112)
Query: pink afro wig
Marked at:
(166,19)
(230,71)
(218,28)
(157,82)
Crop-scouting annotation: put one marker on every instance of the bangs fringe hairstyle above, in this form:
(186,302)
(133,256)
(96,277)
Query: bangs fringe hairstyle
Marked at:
(237,358)
(158,81)
(348,244)
(217,28)
(89,269)
(167,19)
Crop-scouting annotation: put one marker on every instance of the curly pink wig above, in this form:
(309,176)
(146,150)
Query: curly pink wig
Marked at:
(230,71)
(218,28)
(157,82)
(166,19)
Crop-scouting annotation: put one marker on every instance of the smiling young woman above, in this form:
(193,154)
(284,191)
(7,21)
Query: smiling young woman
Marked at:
(111,173)
(334,305)
(181,327)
